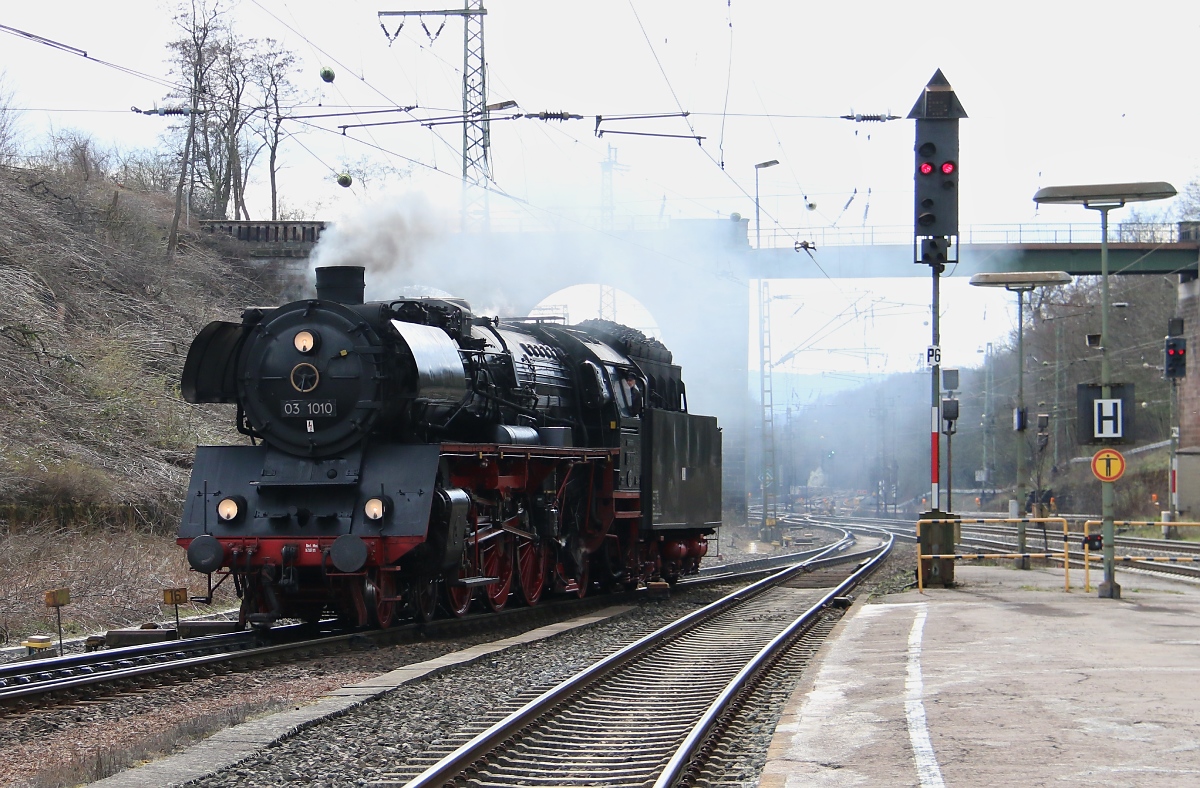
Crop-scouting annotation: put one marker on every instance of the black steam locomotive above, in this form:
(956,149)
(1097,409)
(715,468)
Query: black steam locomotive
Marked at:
(408,453)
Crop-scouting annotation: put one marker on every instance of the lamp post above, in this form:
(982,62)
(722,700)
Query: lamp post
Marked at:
(762,165)
(1020,282)
(1103,198)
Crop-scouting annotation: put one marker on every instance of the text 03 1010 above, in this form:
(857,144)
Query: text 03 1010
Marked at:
(309,408)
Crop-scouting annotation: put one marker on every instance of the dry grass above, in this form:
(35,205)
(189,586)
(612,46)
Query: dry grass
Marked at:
(95,328)
(115,575)
(95,442)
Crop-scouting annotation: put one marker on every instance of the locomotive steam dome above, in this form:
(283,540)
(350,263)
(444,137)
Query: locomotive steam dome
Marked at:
(309,376)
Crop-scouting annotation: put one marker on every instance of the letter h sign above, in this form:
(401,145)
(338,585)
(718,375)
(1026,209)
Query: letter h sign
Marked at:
(1104,419)
(1107,418)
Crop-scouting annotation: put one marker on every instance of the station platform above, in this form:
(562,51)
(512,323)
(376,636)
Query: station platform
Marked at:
(1005,680)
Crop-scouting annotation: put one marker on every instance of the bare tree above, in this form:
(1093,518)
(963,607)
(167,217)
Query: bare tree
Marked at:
(10,122)
(73,154)
(1188,206)
(243,90)
(273,70)
(147,170)
(195,60)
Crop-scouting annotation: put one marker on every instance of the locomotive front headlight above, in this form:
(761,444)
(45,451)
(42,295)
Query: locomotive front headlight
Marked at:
(377,508)
(231,509)
(305,341)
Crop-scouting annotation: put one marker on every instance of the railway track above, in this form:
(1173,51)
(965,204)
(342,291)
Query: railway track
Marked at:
(24,684)
(652,712)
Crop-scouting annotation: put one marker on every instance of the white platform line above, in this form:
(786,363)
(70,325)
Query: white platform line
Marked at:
(928,771)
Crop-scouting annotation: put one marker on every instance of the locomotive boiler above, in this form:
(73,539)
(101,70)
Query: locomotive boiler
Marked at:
(408,456)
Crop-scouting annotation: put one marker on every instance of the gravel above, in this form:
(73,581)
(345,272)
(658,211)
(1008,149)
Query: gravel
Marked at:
(72,744)
(383,736)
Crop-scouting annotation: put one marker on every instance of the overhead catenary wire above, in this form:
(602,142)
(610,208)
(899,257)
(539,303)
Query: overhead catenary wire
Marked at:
(38,39)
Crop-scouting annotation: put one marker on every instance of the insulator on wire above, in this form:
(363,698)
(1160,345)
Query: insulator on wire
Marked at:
(344,180)
(162,111)
(547,115)
(879,117)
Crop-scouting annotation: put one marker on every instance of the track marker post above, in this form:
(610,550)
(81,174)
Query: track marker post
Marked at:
(56,599)
(176,597)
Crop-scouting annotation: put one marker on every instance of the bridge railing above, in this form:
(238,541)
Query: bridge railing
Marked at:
(1007,234)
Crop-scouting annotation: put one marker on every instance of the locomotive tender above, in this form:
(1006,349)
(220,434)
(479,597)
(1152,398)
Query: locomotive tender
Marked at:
(407,453)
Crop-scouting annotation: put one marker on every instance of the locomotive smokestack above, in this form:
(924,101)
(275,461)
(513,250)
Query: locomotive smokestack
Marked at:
(344,284)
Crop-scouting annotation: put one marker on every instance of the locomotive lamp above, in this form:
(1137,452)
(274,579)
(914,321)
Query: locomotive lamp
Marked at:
(305,341)
(230,509)
(1103,198)
(377,508)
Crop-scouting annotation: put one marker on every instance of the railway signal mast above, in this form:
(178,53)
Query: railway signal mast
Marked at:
(935,243)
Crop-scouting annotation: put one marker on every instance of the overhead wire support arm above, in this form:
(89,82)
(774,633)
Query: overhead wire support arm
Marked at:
(355,113)
(610,118)
(406,121)
(699,140)
(391,37)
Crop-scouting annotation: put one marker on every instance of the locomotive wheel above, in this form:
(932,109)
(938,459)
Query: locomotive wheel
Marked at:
(458,598)
(377,589)
(532,567)
(497,561)
(422,598)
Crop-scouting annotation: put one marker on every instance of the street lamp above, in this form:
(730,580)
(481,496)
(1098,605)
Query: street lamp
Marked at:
(1103,198)
(760,166)
(1020,282)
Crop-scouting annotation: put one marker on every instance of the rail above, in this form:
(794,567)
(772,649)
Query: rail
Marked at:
(1064,556)
(693,743)
(451,766)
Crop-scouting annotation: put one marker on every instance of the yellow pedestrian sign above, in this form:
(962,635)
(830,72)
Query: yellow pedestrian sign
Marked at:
(1108,465)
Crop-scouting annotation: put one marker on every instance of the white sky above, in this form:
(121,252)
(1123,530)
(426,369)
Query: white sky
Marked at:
(1056,93)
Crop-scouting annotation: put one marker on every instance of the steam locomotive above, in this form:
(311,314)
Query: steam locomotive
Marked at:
(409,456)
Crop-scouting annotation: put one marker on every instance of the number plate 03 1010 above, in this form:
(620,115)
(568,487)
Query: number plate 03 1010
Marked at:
(309,408)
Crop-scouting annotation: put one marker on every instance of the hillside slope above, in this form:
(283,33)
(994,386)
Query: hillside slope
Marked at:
(94,328)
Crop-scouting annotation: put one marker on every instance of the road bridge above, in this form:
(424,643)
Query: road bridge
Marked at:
(1134,248)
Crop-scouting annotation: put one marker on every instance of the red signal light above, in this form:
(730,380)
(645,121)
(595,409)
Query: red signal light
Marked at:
(948,168)
(926,167)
